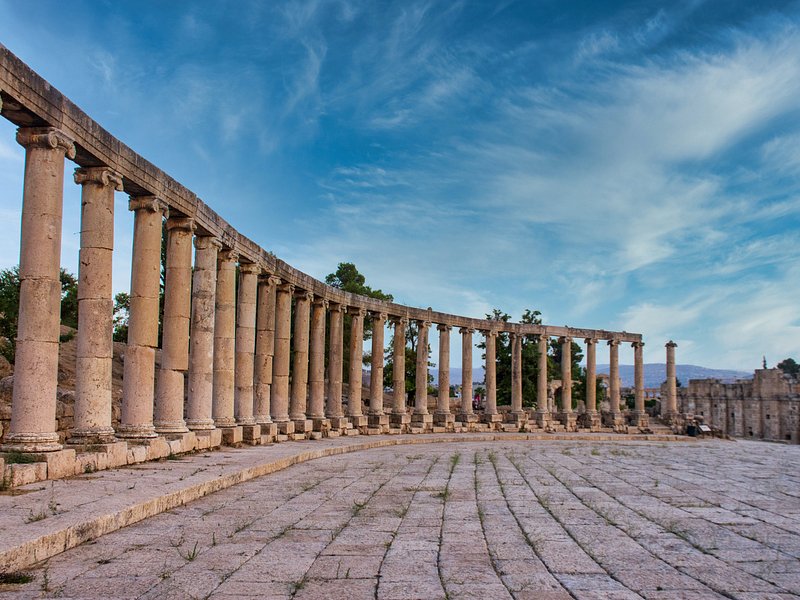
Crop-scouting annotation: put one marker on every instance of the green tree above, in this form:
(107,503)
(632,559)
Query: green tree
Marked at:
(790,367)
(412,336)
(122,307)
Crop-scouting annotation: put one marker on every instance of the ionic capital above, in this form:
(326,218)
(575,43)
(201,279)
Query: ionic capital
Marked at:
(466,331)
(356,311)
(423,324)
(272,280)
(228,255)
(181,224)
(590,341)
(335,307)
(565,339)
(613,343)
(152,204)
(443,327)
(103,176)
(206,242)
(303,295)
(378,316)
(637,344)
(46,137)
(321,301)
(489,333)
(398,321)
(670,344)
(286,288)
(249,269)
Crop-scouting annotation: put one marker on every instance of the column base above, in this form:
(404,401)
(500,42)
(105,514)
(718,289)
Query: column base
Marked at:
(285,427)
(464,417)
(542,419)
(590,421)
(303,425)
(168,427)
(98,435)
(208,438)
(200,424)
(251,434)
(339,423)
(321,424)
(443,419)
(399,419)
(232,436)
(32,442)
(640,420)
(492,418)
(269,433)
(358,421)
(379,420)
(616,421)
(569,420)
(136,432)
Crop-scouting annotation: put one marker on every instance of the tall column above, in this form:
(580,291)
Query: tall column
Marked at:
(354,411)
(333,409)
(245,352)
(139,366)
(377,418)
(517,413)
(671,404)
(279,404)
(420,414)
(399,414)
(33,411)
(224,343)
(442,416)
(466,414)
(543,409)
(566,415)
(265,350)
(616,419)
(175,327)
(316,366)
(639,415)
(95,307)
(490,414)
(297,406)
(591,418)
(201,341)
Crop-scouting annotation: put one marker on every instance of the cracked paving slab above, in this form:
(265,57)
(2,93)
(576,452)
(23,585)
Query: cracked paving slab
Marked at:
(514,519)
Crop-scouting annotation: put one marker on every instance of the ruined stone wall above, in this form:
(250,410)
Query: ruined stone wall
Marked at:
(766,407)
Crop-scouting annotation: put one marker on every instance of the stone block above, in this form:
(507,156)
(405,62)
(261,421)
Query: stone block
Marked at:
(137,454)
(424,419)
(438,429)
(334,433)
(495,418)
(339,423)
(23,474)
(321,424)
(378,421)
(358,421)
(285,427)
(303,425)
(157,448)
(60,464)
(443,419)
(251,434)
(231,436)
(315,435)
(281,438)
(467,417)
(373,431)
(398,420)
(175,446)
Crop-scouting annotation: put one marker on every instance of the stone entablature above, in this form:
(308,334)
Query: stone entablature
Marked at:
(765,407)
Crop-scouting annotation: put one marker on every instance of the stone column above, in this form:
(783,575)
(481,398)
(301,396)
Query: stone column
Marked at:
(615,417)
(399,416)
(175,327)
(543,409)
(279,404)
(243,398)
(466,415)
(518,415)
(639,415)
(442,415)
(33,411)
(224,347)
(670,407)
(265,350)
(297,406)
(95,307)
(316,366)
(591,418)
(201,341)
(420,417)
(139,366)
(377,418)
(490,414)
(354,412)
(566,416)
(334,410)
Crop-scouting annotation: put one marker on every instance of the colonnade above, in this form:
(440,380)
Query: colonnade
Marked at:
(250,348)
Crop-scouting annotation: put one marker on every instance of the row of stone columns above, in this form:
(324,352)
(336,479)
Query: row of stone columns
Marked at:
(225,358)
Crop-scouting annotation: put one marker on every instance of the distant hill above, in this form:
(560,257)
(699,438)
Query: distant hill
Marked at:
(654,374)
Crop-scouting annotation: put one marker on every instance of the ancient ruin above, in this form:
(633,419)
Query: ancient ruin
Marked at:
(224,371)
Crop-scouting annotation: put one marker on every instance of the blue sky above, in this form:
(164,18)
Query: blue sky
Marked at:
(618,165)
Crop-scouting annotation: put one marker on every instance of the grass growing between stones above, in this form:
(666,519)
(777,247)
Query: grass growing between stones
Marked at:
(15,578)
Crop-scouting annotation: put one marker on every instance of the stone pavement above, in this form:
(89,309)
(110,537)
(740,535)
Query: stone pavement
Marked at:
(495,519)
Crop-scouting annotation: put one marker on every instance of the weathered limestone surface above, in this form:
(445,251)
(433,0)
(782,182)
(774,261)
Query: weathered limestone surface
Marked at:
(225,339)
(265,348)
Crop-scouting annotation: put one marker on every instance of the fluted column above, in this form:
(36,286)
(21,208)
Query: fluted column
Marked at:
(95,307)
(333,409)
(421,395)
(354,411)
(175,327)
(543,408)
(639,415)
(516,376)
(671,404)
(377,417)
(299,397)
(279,404)
(442,415)
(265,349)
(33,411)
(201,342)
(316,365)
(224,340)
(613,378)
(490,413)
(139,366)
(245,350)
(465,415)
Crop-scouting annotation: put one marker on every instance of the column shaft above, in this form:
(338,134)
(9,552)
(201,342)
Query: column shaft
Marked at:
(33,411)
(591,375)
(613,376)
(265,348)
(421,395)
(175,327)
(279,404)
(316,375)
(638,376)
(139,366)
(201,341)
(466,370)
(95,307)
(376,365)
(297,407)
(491,373)
(516,374)
(542,402)
(399,366)
(443,399)
(224,340)
(672,391)
(334,401)
(356,360)
(245,344)
(566,375)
